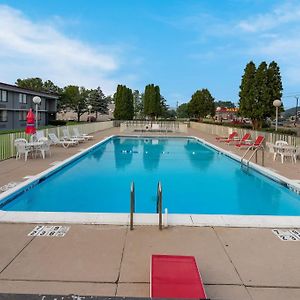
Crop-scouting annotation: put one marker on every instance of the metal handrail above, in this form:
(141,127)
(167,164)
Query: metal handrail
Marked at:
(254,153)
(159,204)
(132,204)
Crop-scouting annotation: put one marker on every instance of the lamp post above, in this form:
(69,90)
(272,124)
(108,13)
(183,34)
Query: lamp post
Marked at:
(37,101)
(218,110)
(90,108)
(277,104)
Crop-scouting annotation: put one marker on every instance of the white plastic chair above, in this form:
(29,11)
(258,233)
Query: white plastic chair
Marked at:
(44,147)
(278,151)
(22,148)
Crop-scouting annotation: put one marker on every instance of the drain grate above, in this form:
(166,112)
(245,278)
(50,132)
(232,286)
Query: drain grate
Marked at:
(288,235)
(49,231)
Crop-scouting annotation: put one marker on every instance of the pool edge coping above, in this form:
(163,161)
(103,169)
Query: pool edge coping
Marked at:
(254,221)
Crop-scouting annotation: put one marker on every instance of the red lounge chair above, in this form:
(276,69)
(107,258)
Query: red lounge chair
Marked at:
(175,276)
(244,140)
(229,138)
(259,140)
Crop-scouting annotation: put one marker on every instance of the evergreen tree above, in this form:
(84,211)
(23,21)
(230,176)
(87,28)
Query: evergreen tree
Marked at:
(259,88)
(247,92)
(137,103)
(201,104)
(34,84)
(123,98)
(152,100)
(275,86)
(99,102)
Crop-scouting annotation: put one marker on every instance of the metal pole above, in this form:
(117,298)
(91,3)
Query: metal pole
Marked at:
(263,156)
(159,205)
(132,204)
(276,118)
(296,116)
(37,116)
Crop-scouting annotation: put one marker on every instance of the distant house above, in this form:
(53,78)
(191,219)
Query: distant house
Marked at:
(15,103)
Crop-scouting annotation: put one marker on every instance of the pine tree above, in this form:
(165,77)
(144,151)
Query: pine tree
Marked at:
(248,91)
(259,88)
(275,86)
(152,101)
(123,103)
(98,101)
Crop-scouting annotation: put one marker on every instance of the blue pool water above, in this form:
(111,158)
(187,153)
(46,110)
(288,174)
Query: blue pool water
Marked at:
(195,179)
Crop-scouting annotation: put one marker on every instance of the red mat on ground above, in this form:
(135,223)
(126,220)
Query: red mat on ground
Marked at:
(175,276)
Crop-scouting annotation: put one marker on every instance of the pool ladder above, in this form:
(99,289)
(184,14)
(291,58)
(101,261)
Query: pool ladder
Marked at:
(251,156)
(158,205)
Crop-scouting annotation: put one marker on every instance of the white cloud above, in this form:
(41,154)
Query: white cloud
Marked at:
(281,15)
(39,49)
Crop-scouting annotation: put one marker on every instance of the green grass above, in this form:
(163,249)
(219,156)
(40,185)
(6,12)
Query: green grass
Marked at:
(22,130)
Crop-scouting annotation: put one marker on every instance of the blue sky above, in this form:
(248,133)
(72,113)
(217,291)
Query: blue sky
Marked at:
(181,45)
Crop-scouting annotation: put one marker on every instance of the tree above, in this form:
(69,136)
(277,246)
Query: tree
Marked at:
(98,101)
(227,104)
(123,98)
(182,111)
(247,92)
(275,85)
(259,88)
(137,103)
(153,102)
(76,99)
(201,104)
(34,84)
(50,87)
(37,84)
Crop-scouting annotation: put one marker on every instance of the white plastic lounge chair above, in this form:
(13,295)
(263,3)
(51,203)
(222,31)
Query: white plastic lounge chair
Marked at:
(66,136)
(22,148)
(55,141)
(77,134)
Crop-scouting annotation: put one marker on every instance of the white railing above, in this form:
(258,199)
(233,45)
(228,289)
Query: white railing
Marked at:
(7,149)
(153,126)
(219,130)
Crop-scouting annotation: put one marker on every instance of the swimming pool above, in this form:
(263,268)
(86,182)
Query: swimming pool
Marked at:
(196,179)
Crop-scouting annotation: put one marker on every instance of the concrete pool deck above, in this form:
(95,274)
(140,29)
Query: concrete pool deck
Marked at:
(235,263)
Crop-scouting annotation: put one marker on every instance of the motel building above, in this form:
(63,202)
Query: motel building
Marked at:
(15,103)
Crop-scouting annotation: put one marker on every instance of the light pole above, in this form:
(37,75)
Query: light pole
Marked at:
(218,110)
(90,109)
(277,104)
(37,101)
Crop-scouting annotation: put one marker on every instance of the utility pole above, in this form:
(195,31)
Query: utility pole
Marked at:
(296,116)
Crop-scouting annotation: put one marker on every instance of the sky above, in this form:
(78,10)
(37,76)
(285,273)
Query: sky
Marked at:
(180,45)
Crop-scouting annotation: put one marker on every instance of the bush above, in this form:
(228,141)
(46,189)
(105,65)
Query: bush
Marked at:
(281,131)
(57,122)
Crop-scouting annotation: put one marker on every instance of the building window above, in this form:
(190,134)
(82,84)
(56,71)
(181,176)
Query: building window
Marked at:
(3,96)
(3,115)
(22,98)
(22,115)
